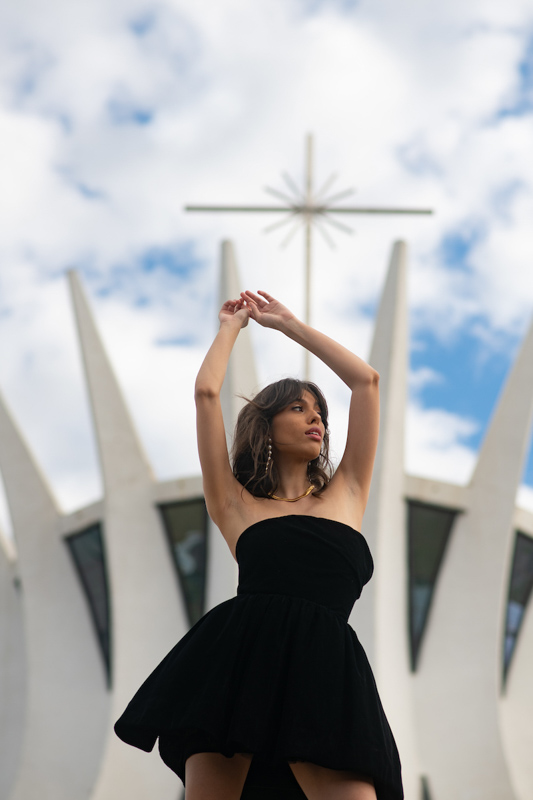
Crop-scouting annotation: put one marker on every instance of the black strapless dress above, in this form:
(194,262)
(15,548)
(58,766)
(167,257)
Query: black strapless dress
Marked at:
(276,671)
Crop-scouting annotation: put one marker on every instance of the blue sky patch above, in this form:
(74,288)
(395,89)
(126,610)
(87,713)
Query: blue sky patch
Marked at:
(143,23)
(187,340)
(35,64)
(473,380)
(503,199)
(528,471)
(311,7)
(133,280)
(525,68)
(122,112)
(142,301)
(417,159)
(523,97)
(179,261)
(85,189)
(64,120)
(88,191)
(456,246)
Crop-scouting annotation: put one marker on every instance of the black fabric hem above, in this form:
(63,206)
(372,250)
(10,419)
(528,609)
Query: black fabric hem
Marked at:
(270,770)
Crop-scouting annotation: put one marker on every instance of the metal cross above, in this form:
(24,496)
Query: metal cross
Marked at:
(308,209)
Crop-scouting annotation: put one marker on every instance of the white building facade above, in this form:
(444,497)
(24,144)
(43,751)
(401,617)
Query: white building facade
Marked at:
(91,601)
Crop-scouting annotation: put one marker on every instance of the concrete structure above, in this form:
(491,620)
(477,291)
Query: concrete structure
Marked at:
(90,601)
(13,668)
(240,381)
(380,615)
(64,680)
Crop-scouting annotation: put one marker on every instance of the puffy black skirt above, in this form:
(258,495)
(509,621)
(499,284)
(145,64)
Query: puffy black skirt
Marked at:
(274,674)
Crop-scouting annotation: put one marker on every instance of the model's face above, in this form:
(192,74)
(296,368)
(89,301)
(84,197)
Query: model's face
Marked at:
(298,430)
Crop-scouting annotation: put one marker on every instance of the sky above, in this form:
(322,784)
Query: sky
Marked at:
(114,116)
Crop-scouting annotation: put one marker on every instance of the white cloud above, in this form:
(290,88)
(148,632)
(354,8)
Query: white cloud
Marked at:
(437,444)
(524,497)
(422,377)
(404,100)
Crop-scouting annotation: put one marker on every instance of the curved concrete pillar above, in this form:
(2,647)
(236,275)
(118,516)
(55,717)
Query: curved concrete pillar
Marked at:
(459,682)
(148,613)
(13,673)
(516,712)
(240,381)
(380,616)
(241,377)
(66,687)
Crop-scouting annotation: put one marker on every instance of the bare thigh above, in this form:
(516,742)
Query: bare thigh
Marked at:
(319,783)
(212,776)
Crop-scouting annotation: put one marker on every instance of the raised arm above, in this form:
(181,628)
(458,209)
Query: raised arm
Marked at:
(355,468)
(220,485)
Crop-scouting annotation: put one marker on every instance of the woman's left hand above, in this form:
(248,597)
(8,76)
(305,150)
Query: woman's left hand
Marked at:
(266,310)
(235,310)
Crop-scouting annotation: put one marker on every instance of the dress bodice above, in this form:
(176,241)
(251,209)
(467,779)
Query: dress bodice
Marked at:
(313,558)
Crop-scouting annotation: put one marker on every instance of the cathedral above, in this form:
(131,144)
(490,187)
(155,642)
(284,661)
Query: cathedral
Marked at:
(91,601)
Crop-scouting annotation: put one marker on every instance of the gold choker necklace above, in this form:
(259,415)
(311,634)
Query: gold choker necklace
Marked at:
(293,499)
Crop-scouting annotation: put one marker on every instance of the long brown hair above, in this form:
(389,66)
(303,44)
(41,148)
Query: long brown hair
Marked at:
(250,444)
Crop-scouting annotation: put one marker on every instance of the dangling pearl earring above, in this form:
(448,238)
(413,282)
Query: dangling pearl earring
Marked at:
(269,459)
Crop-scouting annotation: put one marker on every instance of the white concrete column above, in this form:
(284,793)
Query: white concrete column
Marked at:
(65,676)
(459,681)
(241,380)
(241,376)
(380,616)
(516,711)
(148,613)
(13,673)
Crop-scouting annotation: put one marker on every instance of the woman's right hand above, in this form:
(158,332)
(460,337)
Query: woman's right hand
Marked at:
(266,310)
(235,310)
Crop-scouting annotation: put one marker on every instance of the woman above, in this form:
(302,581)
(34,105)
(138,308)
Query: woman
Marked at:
(275,679)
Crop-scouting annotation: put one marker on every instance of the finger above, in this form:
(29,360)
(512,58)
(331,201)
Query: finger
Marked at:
(254,310)
(248,299)
(258,300)
(267,296)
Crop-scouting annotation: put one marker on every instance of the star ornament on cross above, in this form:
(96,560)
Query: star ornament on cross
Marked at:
(308,209)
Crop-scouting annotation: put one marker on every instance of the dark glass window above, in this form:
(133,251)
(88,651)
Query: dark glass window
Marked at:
(88,553)
(429,530)
(520,586)
(186,526)
(424,788)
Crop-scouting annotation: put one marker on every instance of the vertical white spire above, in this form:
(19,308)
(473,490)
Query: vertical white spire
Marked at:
(381,613)
(122,457)
(463,647)
(55,616)
(241,377)
(240,381)
(22,476)
(516,711)
(13,668)
(148,614)
(384,516)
